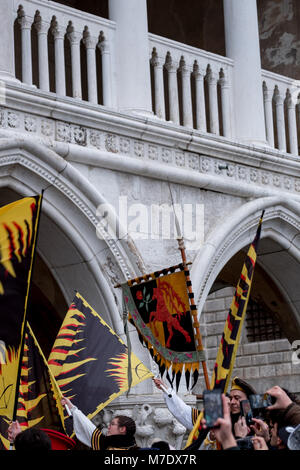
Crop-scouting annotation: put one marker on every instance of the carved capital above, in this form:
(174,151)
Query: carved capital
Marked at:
(103,46)
(199,72)
(90,42)
(74,37)
(58,31)
(41,26)
(156,60)
(268,94)
(25,21)
(279,99)
(171,66)
(212,77)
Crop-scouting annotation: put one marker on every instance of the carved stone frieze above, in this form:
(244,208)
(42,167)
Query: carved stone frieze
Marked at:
(61,131)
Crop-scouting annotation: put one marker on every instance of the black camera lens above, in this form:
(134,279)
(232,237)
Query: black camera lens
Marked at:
(245,443)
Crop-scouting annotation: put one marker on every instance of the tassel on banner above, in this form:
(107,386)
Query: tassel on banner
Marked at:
(161,307)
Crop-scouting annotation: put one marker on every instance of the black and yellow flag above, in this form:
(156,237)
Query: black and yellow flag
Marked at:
(39,398)
(18,230)
(234,323)
(90,362)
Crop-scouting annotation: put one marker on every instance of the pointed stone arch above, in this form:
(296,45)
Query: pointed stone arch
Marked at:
(277,272)
(68,243)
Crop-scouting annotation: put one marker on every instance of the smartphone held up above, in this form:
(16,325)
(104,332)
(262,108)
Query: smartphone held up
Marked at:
(213,406)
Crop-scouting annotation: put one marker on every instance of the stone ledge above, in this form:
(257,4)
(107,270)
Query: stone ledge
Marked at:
(267,172)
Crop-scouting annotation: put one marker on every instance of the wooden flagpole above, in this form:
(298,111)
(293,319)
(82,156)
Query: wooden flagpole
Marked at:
(196,324)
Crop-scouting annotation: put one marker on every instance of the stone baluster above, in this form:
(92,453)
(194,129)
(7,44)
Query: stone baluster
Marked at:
(159,98)
(75,38)
(173,90)
(26,23)
(42,32)
(60,71)
(225,103)
(186,94)
(280,121)
(212,79)
(90,44)
(268,100)
(292,125)
(199,75)
(106,73)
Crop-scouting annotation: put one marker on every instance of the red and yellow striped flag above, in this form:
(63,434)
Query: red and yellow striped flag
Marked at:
(233,327)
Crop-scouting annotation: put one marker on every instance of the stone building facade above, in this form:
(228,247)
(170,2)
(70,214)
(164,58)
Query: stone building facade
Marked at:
(133,106)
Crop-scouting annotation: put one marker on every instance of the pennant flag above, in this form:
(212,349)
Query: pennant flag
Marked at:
(18,229)
(233,327)
(39,395)
(90,362)
(158,305)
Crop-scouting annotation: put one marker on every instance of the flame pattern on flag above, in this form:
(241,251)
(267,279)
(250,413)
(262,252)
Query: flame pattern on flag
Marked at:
(90,362)
(18,228)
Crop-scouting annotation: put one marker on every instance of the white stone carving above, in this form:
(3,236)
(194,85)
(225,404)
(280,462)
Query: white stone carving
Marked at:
(151,422)
(66,132)
(144,431)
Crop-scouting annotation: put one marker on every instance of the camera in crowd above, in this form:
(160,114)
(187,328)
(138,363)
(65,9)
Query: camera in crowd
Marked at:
(245,443)
(213,407)
(246,411)
(259,403)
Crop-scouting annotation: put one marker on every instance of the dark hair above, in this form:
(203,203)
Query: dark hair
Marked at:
(292,396)
(33,439)
(160,445)
(128,423)
(278,415)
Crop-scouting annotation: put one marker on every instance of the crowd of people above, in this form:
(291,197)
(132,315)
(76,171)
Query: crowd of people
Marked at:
(274,427)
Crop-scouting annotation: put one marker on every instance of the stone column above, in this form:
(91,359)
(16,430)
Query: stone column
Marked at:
(199,74)
(172,67)
(280,120)
(74,38)
(7,53)
(60,72)
(42,31)
(225,99)
(26,23)
(187,112)
(158,64)
(212,80)
(268,97)
(242,45)
(292,125)
(90,44)
(132,55)
(106,73)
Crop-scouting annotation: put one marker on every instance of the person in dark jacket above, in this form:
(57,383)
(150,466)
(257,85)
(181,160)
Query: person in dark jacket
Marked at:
(120,434)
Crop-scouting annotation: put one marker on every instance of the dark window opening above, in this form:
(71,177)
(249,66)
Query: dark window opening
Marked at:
(261,324)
